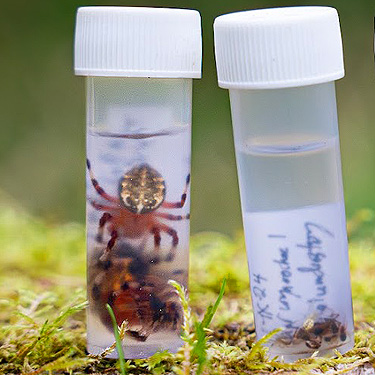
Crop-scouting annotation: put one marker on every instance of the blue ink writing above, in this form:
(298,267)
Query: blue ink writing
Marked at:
(259,293)
(315,254)
(286,290)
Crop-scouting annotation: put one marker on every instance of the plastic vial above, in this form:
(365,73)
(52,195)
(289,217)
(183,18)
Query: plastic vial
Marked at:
(139,64)
(279,66)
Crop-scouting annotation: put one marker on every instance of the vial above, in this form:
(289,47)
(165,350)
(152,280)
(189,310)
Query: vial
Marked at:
(280,65)
(139,64)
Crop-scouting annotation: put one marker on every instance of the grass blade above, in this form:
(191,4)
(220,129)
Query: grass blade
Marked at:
(200,347)
(212,309)
(118,340)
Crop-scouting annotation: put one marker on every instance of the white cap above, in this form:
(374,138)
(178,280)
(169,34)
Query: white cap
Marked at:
(278,47)
(138,42)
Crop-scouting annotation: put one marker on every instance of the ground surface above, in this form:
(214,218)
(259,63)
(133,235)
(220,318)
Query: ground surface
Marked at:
(42,302)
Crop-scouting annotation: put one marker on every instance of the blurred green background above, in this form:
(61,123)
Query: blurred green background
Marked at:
(42,111)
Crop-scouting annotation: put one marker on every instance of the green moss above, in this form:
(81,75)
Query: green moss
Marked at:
(42,302)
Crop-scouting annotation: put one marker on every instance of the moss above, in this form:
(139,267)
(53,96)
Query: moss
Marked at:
(42,318)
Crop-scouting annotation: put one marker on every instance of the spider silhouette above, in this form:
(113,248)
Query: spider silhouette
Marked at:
(134,212)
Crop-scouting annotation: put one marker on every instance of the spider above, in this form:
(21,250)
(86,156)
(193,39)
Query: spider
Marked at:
(136,293)
(315,333)
(134,212)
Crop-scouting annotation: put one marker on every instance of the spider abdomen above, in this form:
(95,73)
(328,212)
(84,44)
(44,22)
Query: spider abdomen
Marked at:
(142,189)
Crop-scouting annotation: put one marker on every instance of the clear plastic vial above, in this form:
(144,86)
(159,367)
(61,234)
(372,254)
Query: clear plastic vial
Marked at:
(139,88)
(280,66)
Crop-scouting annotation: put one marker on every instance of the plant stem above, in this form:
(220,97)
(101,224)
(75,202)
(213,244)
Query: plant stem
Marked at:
(118,340)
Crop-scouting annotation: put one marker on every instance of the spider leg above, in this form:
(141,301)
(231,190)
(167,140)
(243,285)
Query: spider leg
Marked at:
(157,240)
(102,222)
(111,243)
(183,197)
(173,217)
(173,233)
(97,187)
(101,207)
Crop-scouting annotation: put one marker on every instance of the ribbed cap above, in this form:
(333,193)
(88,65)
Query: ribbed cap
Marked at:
(278,47)
(138,42)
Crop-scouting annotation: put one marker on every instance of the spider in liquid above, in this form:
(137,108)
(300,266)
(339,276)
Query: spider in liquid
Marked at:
(135,293)
(134,212)
(315,333)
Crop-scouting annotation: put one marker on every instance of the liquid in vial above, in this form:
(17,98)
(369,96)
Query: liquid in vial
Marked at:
(293,211)
(137,237)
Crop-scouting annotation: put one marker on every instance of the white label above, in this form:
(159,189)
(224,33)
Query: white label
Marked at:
(298,265)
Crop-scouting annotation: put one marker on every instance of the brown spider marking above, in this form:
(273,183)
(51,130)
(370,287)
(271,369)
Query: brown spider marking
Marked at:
(315,333)
(136,294)
(134,213)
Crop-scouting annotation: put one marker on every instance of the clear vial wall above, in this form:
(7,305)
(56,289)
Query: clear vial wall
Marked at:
(138,201)
(288,159)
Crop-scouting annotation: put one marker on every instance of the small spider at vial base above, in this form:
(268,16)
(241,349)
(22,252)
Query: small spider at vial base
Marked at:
(136,293)
(134,212)
(316,333)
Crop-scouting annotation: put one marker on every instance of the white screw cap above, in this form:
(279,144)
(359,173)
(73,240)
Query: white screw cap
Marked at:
(138,42)
(278,47)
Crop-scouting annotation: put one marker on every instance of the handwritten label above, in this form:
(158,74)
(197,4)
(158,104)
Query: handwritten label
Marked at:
(259,293)
(286,289)
(298,263)
(314,246)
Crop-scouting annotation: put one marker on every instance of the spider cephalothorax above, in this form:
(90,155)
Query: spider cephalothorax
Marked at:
(135,212)
(142,189)
(136,292)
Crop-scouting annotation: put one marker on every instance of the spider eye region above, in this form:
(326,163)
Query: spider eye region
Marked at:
(142,189)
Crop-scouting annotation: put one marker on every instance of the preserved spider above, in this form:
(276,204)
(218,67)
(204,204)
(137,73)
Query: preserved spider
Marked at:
(315,333)
(143,298)
(134,212)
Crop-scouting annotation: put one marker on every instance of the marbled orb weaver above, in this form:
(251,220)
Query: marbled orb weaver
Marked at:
(135,212)
(136,292)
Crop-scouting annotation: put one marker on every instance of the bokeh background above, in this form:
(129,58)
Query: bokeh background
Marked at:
(42,111)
